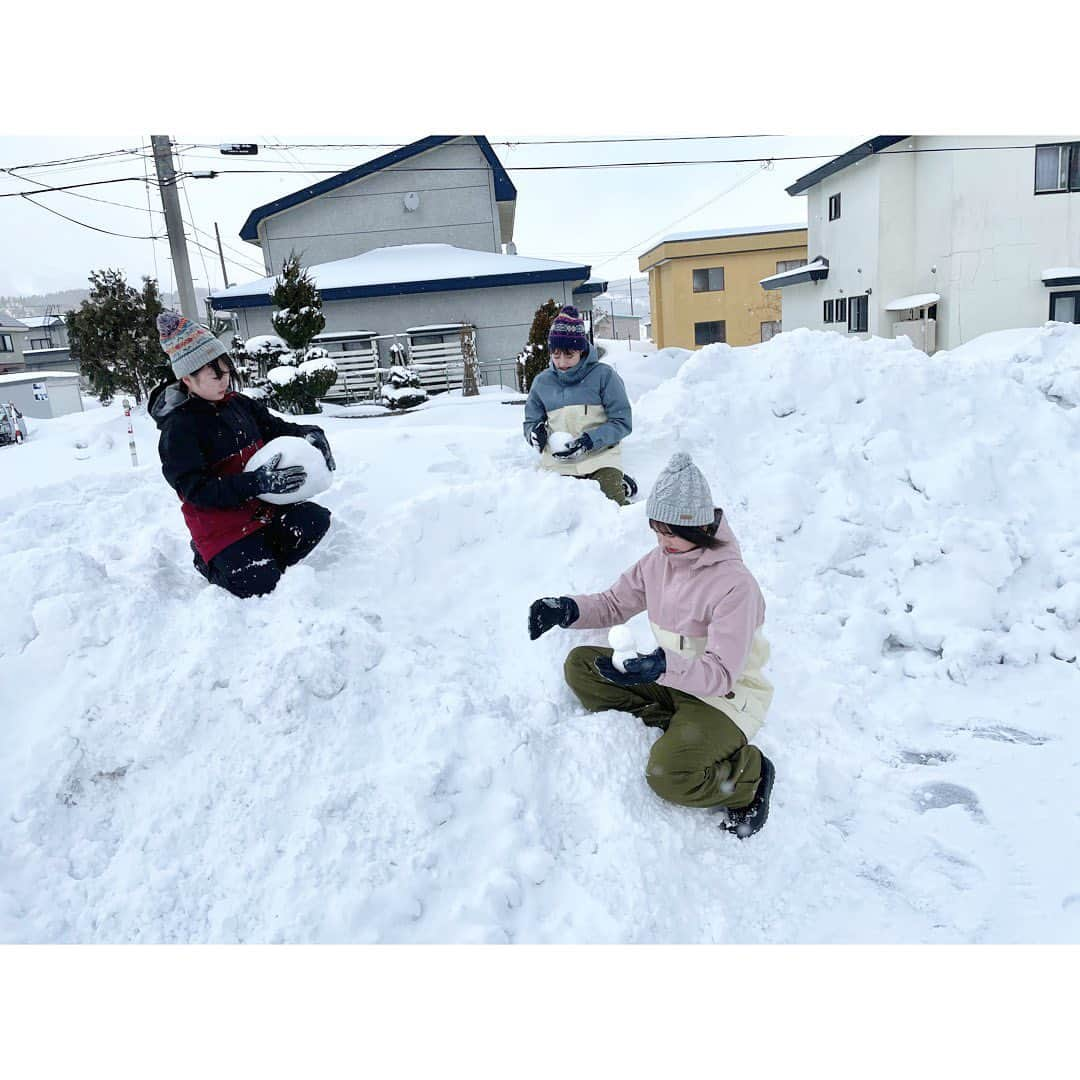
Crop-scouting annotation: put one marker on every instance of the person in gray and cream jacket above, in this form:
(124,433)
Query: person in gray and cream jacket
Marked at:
(577,412)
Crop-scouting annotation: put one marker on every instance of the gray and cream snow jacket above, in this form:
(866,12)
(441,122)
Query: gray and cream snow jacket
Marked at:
(589,397)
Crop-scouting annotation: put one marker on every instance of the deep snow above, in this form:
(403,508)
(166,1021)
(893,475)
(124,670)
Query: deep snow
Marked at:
(376,752)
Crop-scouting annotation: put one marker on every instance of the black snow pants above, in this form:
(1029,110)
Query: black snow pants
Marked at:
(254,565)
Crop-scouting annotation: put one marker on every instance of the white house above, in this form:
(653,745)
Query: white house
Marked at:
(12,342)
(941,238)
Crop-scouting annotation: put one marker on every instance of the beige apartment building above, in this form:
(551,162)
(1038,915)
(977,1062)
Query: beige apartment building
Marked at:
(705,286)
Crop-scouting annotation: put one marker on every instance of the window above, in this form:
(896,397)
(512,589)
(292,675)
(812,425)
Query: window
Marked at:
(710,280)
(41,343)
(709,333)
(828,316)
(6,344)
(770,329)
(789,264)
(858,314)
(834,206)
(1057,168)
(841,310)
(1065,307)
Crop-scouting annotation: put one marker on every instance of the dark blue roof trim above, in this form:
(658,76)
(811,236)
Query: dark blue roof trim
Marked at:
(504,188)
(1053,282)
(405,288)
(863,150)
(591,288)
(812,273)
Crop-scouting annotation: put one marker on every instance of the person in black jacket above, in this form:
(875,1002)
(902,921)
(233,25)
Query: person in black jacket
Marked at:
(208,434)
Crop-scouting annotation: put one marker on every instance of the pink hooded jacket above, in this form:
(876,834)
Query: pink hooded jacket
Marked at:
(705,594)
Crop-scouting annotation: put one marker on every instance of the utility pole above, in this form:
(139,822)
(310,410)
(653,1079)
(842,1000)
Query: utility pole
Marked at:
(174,224)
(221,255)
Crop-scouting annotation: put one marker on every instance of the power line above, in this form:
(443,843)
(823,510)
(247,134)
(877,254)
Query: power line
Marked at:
(664,228)
(86,225)
(65,187)
(510,143)
(79,195)
(61,162)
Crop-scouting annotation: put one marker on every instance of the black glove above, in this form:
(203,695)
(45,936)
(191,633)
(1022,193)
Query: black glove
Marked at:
(581,446)
(270,480)
(642,669)
(551,611)
(317,437)
(538,437)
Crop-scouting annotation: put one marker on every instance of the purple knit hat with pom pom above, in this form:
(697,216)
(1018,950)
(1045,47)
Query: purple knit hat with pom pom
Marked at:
(568,331)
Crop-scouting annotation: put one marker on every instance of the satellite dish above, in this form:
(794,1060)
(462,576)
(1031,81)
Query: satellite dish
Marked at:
(412,200)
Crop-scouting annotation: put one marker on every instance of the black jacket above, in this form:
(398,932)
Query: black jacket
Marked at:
(204,447)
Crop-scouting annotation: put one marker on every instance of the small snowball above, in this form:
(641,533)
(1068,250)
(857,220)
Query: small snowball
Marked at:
(559,441)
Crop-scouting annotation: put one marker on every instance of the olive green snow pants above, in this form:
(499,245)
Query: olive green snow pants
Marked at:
(702,759)
(611,484)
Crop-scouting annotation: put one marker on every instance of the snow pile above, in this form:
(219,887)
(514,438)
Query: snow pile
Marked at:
(282,375)
(376,752)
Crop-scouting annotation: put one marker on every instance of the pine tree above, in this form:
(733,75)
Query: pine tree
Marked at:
(535,357)
(114,336)
(297,321)
(300,316)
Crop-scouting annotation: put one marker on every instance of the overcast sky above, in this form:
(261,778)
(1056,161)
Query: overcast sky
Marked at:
(604,217)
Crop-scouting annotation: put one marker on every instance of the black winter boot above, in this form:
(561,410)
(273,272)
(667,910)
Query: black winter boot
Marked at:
(748,820)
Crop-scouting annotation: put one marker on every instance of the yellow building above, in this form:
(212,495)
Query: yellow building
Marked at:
(705,286)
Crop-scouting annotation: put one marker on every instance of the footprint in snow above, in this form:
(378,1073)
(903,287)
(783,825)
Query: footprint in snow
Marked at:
(937,796)
(1002,733)
(926,757)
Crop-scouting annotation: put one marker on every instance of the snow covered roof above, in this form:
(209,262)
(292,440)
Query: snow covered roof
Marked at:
(37,321)
(504,186)
(409,268)
(37,376)
(817,270)
(1061,275)
(337,335)
(11,323)
(742,230)
(916,301)
(437,328)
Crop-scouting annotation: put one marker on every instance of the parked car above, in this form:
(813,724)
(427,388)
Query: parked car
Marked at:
(12,425)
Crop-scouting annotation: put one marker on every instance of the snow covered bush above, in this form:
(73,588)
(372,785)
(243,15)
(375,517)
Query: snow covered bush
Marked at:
(535,357)
(402,389)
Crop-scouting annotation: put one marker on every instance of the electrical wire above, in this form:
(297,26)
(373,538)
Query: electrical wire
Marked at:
(677,221)
(64,187)
(86,225)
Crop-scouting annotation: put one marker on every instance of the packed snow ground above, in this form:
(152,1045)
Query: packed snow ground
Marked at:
(377,753)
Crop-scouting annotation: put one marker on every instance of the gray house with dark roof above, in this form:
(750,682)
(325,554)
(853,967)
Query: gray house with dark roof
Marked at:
(443,189)
(405,250)
(12,343)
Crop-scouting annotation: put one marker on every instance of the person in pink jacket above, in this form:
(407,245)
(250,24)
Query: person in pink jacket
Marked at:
(704,685)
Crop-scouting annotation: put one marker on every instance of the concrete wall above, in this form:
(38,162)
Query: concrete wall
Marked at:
(457,206)
(502,316)
(743,304)
(64,397)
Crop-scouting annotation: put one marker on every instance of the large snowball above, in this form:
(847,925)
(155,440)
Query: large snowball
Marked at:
(559,441)
(294,451)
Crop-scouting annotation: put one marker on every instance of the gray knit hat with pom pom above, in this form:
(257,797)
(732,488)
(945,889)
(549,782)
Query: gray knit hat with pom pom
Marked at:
(681,495)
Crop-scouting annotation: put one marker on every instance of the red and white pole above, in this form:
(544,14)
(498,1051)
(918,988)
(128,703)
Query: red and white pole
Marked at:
(131,433)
